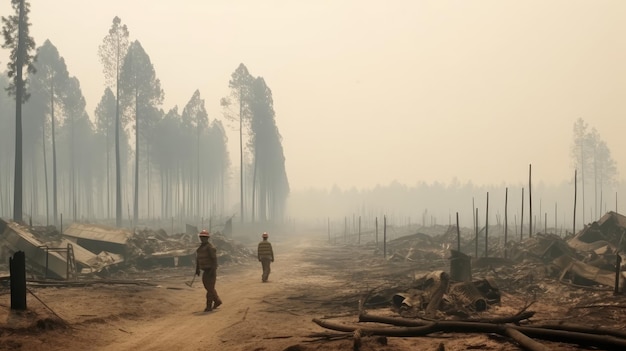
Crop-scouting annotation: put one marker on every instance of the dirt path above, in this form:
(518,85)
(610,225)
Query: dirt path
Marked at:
(247,320)
(309,279)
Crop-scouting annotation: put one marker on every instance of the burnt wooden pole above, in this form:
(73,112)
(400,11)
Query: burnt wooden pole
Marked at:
(458,233)
(385,236)
(473,211)
(521,221)
(555,220)
(328,225)
(359,230)
(376,223)
(506,223)
(575,191)
(530,203)
(476,233)
(487,226)
(17,267)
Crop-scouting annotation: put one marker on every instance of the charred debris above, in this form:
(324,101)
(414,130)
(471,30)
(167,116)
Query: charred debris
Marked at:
(573,283)
(91,250)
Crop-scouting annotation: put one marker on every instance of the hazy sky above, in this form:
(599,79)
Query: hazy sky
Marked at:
(367,92)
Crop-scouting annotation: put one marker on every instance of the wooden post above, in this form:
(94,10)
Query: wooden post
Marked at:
(61,224)
(17,267)
(545,223)
(521,221)
(555,220)
(476,232)
(376,222)
(458,233)
(329,229)
(506,222)
(345,228)
(359,230)
(385,237)
(530,203)
(487,227)
(575,191)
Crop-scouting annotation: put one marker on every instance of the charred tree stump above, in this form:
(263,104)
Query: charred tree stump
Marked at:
(17,267)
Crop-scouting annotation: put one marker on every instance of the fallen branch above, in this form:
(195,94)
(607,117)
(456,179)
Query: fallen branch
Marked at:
(525,341)
(583,329)
(503,320)
(582,338)
(328,336)
(603,305)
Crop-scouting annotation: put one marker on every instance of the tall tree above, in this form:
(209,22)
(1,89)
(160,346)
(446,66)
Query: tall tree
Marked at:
(105,126)
(49,82)
(240,86)
(15,29)
(269,159)
(112,51)
(196,120)
(77,131)
(167,154)
(592,156)
(141,93)
(603,165)
(581,155)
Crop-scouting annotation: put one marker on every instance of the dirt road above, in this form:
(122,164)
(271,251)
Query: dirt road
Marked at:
(247,320)
(155,310)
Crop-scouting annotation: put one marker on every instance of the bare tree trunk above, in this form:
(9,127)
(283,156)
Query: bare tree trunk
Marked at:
(136,200)
(241,155)
(45,173)
(530,203)
(17,187)
(575,194)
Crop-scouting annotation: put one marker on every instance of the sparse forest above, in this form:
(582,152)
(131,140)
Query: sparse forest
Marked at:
(130,160)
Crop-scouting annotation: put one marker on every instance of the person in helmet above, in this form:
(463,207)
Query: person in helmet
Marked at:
(265,255)
(206,260)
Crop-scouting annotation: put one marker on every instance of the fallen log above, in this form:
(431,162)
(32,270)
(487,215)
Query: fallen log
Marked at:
(383,331)
(503,320)
(566,336)
(524,341)
(584,329)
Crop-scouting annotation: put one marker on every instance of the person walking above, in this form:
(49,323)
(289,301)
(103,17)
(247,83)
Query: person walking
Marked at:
(265,255)
(206,260)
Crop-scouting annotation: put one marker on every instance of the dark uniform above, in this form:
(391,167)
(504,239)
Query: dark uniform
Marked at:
(266,256)
(206,259)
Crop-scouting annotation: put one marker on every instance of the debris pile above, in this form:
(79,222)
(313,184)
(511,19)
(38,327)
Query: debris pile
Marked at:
(590,259)
(95,248)
(581,276)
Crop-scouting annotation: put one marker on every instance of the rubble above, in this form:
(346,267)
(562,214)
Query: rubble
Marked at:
(91,248)
(545,264)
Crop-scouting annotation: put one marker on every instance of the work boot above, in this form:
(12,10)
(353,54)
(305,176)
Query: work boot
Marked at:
(217,304)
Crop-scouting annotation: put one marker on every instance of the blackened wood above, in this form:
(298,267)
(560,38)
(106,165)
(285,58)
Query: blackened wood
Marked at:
(17,267)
